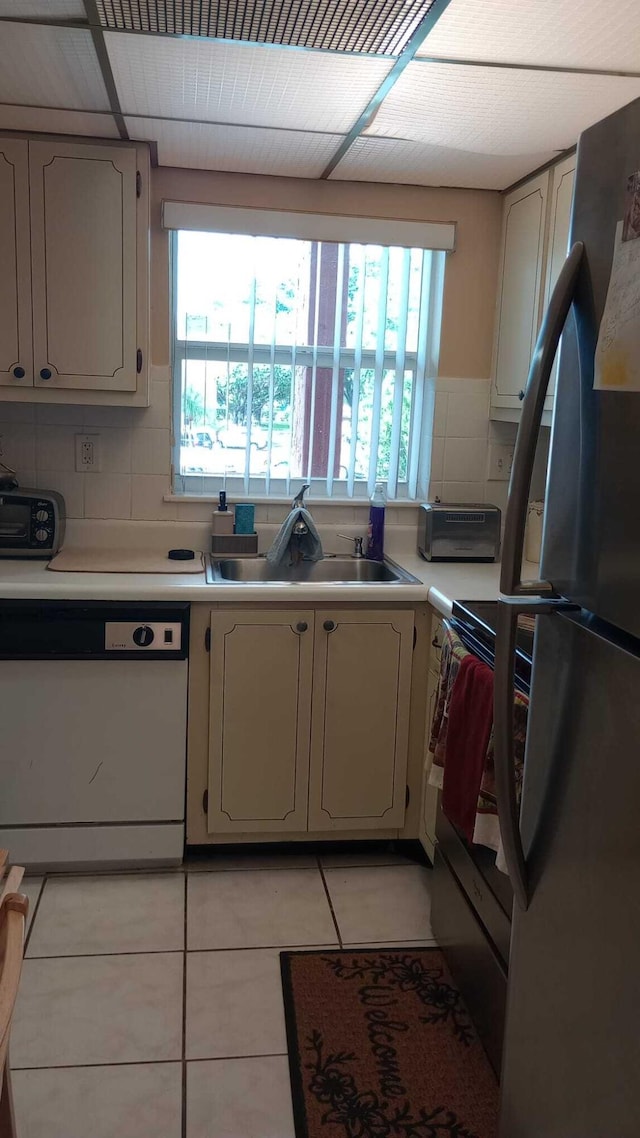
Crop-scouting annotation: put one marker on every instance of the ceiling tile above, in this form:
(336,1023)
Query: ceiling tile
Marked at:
(57,122)
(494,111)
(234,83)
(50,67)
(52,9)
(382,26)
(422,164)
(552,33)
(245,150)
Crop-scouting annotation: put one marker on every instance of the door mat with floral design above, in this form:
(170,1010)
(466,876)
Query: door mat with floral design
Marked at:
(381,1046)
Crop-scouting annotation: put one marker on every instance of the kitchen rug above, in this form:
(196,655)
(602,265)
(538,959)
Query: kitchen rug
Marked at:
(381,1046)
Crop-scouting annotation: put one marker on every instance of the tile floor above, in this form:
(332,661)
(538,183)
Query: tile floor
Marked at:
(151,1005)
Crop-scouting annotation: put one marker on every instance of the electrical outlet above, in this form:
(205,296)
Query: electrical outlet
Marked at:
(88,453)
(500,462)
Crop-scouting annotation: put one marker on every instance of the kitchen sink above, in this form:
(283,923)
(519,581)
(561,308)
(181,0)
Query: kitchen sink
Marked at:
(332,570)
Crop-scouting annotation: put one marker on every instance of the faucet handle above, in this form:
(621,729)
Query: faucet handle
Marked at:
(357,544)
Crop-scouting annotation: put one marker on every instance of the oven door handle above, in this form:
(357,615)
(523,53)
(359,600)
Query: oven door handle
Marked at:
(509,609)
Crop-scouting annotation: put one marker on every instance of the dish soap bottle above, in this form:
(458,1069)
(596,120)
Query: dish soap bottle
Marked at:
(375,539)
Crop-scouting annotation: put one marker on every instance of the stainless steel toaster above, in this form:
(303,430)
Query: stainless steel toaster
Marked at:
(453,531)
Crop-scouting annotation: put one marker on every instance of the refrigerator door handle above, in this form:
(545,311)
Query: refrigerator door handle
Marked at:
(529,429)
(509,609)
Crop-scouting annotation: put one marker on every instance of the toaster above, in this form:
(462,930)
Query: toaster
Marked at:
(452,531)
(31,523)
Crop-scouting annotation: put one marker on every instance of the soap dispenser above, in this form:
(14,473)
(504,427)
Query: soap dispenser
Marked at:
(222,518)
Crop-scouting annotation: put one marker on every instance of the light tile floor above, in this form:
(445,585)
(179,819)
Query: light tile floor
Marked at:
(151,1005)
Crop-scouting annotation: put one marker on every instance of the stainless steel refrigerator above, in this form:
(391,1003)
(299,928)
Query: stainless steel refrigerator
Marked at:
(571,1064)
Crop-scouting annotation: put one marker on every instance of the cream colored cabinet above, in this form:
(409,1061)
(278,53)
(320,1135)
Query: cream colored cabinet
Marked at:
(15,278)
(360,719)
(259,720)
(308,720)
(563,176)
(74,233)
(535,237)
(520,289)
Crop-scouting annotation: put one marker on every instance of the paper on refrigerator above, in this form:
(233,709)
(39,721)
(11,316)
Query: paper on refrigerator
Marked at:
(617,359)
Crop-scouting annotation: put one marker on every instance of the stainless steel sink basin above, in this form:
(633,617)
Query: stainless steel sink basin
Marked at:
(332,570)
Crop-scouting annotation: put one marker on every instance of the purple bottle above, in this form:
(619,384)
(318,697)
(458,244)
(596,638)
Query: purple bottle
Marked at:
(375,540)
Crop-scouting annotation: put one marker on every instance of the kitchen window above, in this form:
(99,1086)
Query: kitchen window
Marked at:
(303,360)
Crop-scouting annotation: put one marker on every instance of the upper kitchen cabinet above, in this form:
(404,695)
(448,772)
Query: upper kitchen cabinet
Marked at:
(563,177)
(520,289)
(535,237)
(74,223)
(16,343)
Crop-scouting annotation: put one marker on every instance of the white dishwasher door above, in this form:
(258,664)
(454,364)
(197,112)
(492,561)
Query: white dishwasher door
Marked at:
(92,741)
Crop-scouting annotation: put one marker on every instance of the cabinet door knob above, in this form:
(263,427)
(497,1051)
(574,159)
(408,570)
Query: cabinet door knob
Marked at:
(45,373)
(329,625)
(18,372)
(521,395)
(435,643)
(301,626)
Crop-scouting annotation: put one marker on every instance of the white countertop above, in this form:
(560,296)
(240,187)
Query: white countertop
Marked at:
(440,584)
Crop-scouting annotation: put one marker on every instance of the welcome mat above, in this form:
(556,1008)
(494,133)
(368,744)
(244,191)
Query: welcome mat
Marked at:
(381,1046)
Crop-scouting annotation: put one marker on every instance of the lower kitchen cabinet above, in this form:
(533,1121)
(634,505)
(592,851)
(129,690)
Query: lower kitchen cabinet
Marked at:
(259,720)
(308,720)
(360,719)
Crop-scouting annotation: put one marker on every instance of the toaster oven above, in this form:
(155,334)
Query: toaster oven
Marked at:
(450,531)
(31,523)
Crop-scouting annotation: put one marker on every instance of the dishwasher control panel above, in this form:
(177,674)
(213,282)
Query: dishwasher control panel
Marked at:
(95,630)
(132,636)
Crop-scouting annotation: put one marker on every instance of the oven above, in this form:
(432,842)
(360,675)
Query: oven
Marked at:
(472,899)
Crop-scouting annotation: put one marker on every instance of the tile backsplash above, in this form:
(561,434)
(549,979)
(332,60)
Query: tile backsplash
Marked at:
(460,441)
(135,454)
(135,447)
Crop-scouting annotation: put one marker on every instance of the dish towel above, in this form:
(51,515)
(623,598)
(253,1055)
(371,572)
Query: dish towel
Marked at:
(469,731)
(453,653)
(487,826)
(308,545)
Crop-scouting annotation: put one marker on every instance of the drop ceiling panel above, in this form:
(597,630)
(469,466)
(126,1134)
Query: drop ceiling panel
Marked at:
(422,164)
(247,84)
(50,67)
(495,111)
(57,122)
(382,26)
(51,9)
(552,33)
(246,150)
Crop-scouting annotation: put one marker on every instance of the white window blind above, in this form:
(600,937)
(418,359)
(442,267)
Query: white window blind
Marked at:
(298,359)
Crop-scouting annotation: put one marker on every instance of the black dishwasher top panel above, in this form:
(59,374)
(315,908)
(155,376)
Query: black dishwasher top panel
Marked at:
(76,630)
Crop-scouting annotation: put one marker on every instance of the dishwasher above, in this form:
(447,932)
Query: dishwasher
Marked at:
(93,726)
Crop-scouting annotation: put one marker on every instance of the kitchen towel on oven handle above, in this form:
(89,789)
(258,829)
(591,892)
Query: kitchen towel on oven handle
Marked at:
(486,831)
(468,734)
(453,653)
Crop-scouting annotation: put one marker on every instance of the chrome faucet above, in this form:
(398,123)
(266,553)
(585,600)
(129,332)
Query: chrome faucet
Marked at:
(300,528)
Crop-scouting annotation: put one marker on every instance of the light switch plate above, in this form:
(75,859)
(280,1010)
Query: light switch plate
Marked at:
(500,462)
